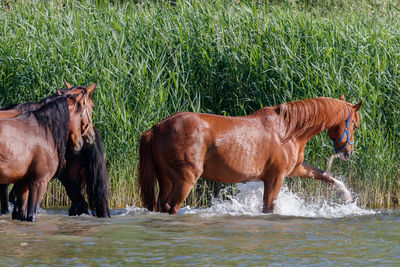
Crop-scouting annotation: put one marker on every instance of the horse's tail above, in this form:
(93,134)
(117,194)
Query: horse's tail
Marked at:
(147,175)
(97,178)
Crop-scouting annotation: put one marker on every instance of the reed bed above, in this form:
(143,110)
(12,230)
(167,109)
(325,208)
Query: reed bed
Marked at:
(152,59)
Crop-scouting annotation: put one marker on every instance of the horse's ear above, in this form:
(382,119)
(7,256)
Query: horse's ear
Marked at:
(90,88)
(358,106)
(342,98)
(59,92)
(67,85)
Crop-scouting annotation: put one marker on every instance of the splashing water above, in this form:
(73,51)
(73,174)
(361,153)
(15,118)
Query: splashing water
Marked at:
(248,201)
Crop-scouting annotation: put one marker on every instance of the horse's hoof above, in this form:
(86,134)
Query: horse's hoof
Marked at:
(166,208)
(174,210)
(30,218)
(78,209)
(83,209)
(268,210)
(73,211)
(5,211)
(21,217)
(348,197)
(15,214)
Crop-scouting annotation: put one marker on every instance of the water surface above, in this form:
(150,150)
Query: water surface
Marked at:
(231,232)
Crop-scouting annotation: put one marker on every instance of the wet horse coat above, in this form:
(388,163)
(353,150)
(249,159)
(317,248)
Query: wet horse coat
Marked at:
(33,145)
(267,145)
(32,148)
(83,169)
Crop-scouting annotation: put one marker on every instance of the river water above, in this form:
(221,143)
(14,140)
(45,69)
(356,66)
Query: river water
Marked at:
(230,232)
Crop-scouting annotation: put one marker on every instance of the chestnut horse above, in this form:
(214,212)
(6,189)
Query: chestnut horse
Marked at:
(266,146)
(33,145)
(83,169)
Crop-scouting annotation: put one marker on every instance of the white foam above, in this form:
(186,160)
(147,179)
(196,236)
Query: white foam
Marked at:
(129,211)
(248,201)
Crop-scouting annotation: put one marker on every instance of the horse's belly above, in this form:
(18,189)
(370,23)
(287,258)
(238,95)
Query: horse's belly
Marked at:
(237,156)
(240,168)
(12,171)
(14,162)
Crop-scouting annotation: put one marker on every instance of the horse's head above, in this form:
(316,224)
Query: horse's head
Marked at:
(342,134)
(80,107)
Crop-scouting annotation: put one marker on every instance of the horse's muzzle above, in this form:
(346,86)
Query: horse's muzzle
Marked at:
(346,155)
(78,145)
(90,137)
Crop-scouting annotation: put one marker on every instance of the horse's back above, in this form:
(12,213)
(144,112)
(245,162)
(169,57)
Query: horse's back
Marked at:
(228,149)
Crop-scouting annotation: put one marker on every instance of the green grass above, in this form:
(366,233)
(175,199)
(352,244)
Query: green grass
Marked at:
(221,57)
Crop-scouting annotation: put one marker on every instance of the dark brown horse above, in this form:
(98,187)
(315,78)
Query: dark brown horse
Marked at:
(267,145)
(83,169)
(33,145)
(87,169)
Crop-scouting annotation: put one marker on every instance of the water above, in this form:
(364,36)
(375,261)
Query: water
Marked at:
(230,232)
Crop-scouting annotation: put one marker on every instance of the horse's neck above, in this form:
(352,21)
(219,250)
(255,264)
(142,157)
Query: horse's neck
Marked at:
(314,130)
(305,119)
(321,125)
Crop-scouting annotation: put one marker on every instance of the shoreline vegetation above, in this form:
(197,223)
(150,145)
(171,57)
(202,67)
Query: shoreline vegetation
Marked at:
(151,59)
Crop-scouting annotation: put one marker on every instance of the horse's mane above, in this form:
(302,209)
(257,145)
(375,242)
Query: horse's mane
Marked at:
(301,115)
(28,106)
(53,116)
(96,176)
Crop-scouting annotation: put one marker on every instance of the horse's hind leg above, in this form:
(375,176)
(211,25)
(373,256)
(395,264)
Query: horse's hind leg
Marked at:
(165,187)
(271,191)
(36,193)
(4,198)
(183,181)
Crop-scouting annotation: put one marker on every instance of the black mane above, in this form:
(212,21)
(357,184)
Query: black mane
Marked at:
(53,116)
(96,177)
(30,106)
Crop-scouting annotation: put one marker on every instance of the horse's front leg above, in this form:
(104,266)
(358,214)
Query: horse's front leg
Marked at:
(305,170)
(272,186)
(4,198)
(74,192)
(21,193)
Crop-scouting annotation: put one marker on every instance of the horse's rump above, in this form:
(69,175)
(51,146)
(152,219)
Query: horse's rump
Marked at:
(49,125)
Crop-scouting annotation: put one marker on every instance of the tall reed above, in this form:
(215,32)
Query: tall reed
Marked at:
(224,57)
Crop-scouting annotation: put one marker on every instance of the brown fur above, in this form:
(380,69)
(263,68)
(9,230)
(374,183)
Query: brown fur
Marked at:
(267,145)
(147,171)
(33,145)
